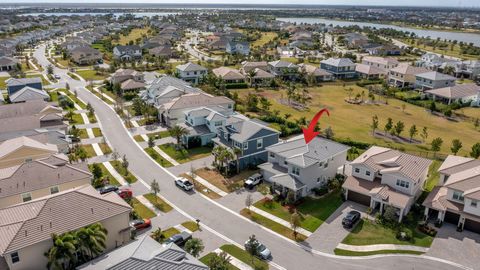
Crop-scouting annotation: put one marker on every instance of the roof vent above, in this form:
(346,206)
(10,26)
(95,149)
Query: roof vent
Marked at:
(26,234)
(91,209)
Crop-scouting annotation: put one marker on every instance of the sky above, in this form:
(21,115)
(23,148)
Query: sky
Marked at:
(434,3)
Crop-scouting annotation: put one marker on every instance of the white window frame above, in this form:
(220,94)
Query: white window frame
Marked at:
(367,173)
(295,170)
(260,141)
(403,183)
(357,170)
(15,254)
(473,203)
(458,196)
(24,195)
(245,145)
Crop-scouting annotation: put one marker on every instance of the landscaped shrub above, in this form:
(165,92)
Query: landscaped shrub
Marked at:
(404,234)
(236,86)
(426,229)
(357,144)
(320,191)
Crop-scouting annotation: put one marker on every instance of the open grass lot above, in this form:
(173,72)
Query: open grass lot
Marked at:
(158,202)
(343,252)
(132,36)
(186,155)
(128,176)
(91,75)
(77,119)
(221,182)
(75,99)
(243,256)
(97,132)
(266,37)
(159,159)
(105,148)
(205,259)
(456,52)
(105,172)
(470,112)
(141,209)
(272,225)
(191,225)
(89,149)
(313,212)
(370,233)
(353,121)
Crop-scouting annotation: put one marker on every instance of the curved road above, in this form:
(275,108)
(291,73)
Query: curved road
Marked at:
(286,254)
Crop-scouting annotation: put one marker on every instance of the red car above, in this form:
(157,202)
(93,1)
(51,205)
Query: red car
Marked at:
(124,193)
(140,223)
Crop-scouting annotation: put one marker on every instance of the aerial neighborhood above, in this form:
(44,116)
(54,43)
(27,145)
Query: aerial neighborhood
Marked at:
(179,140)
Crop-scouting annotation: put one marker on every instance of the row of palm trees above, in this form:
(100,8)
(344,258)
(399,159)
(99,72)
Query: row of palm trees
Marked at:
(76,247)
(223,156)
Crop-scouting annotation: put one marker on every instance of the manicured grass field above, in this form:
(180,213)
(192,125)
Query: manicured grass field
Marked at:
(433,175)
(226,184)
(142,210)
(266,37)
(133,35)
(354,121)
(97,132)
(129,177)
(158,202)
(313,212)
(343,252)
(91,75)
(191,225)
(272,225)
(371,233)
(159,159)
(187,155)
(243,256)
(75,99)
(105,172)
(77,119)
(456,52)
(138,138)
(205,259)
(89,150)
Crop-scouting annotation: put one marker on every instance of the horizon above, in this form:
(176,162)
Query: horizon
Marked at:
(272,3)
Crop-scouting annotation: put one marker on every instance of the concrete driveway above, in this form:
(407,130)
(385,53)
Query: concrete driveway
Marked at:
(460,247)
(331,232)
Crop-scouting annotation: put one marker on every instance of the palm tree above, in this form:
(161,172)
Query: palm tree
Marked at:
(178,132)
(62,254)
(227,156)
(237,152)
(217,150)
(251,74)
(91,240)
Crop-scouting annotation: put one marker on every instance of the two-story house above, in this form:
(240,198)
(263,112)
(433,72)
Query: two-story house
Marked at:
(456,199)
(403,75)
(299,167)
(250,136)
(318,74)
(385,63)
(229,75)
(191,72)
(283,69)
(341,68)
(433,80)
(382,176)
(86,56)
(127,53)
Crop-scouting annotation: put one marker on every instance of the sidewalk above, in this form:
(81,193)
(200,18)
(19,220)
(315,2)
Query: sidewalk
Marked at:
(381,247)
(279,220)
(114,172)
(209,186)
(165,156)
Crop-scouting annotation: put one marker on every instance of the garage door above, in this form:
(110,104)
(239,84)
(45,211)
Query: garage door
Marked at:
(472,225)
(358,198)
(452,218)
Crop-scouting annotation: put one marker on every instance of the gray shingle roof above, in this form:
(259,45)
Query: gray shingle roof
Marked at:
(435,76)
(338,62)
(243,128)
(190,67)
(29,93)
(23,81)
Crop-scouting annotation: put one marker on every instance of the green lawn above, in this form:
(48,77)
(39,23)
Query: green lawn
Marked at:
(91,75)
(191,225)
(159,159)
(138,138)
(3,84)
(371,233)
(77,119)
(97,132)
(158,202)
(133,35)
(169,233)
(264,39)
(313,212)
(142,210)
(156,135)
(186,155)
(53,95)
(433,175)
(105,148)
(75,99)
(129,177)
(105,172)
(89,150)
(343,252)
(205,259)
(83,134)
(243,256)
(272,225)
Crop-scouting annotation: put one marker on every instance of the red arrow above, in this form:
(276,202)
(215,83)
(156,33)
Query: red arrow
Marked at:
(309,133)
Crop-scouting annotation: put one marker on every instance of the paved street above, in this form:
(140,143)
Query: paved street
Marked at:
(224,222)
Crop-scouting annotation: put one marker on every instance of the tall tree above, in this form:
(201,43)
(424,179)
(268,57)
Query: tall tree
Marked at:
(295,222)
(424,134)
(436,145)
(374,124)
(412,132)
(456,146)
(388,126)
(219,261)
(62,254)
(92,240)
(237,152)
(251,246)
(398,129)
(178,132)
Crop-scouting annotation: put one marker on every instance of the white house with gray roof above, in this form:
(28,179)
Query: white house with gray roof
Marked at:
(433,80)
(461,93)
(382,176)
(146,253)
(299,167)
(456,199)
(341,68)
(191,72)
(283,69)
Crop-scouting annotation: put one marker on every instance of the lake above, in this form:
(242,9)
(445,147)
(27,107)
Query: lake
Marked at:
(434,34)
(116,14)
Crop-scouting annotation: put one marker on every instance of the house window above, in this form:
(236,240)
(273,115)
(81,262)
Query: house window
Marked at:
(473,203)
(259,143)
(272,155)
(218,123)
(15,257)
(367,173)
(318,180)
(325,165)
(54,190)
(229,106)
(26,197)
(296,170)
(357,170)
(458,196)
(245,145)
(403,184)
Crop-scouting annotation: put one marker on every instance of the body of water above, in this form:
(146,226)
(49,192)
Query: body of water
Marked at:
(116,14)
(434,34)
